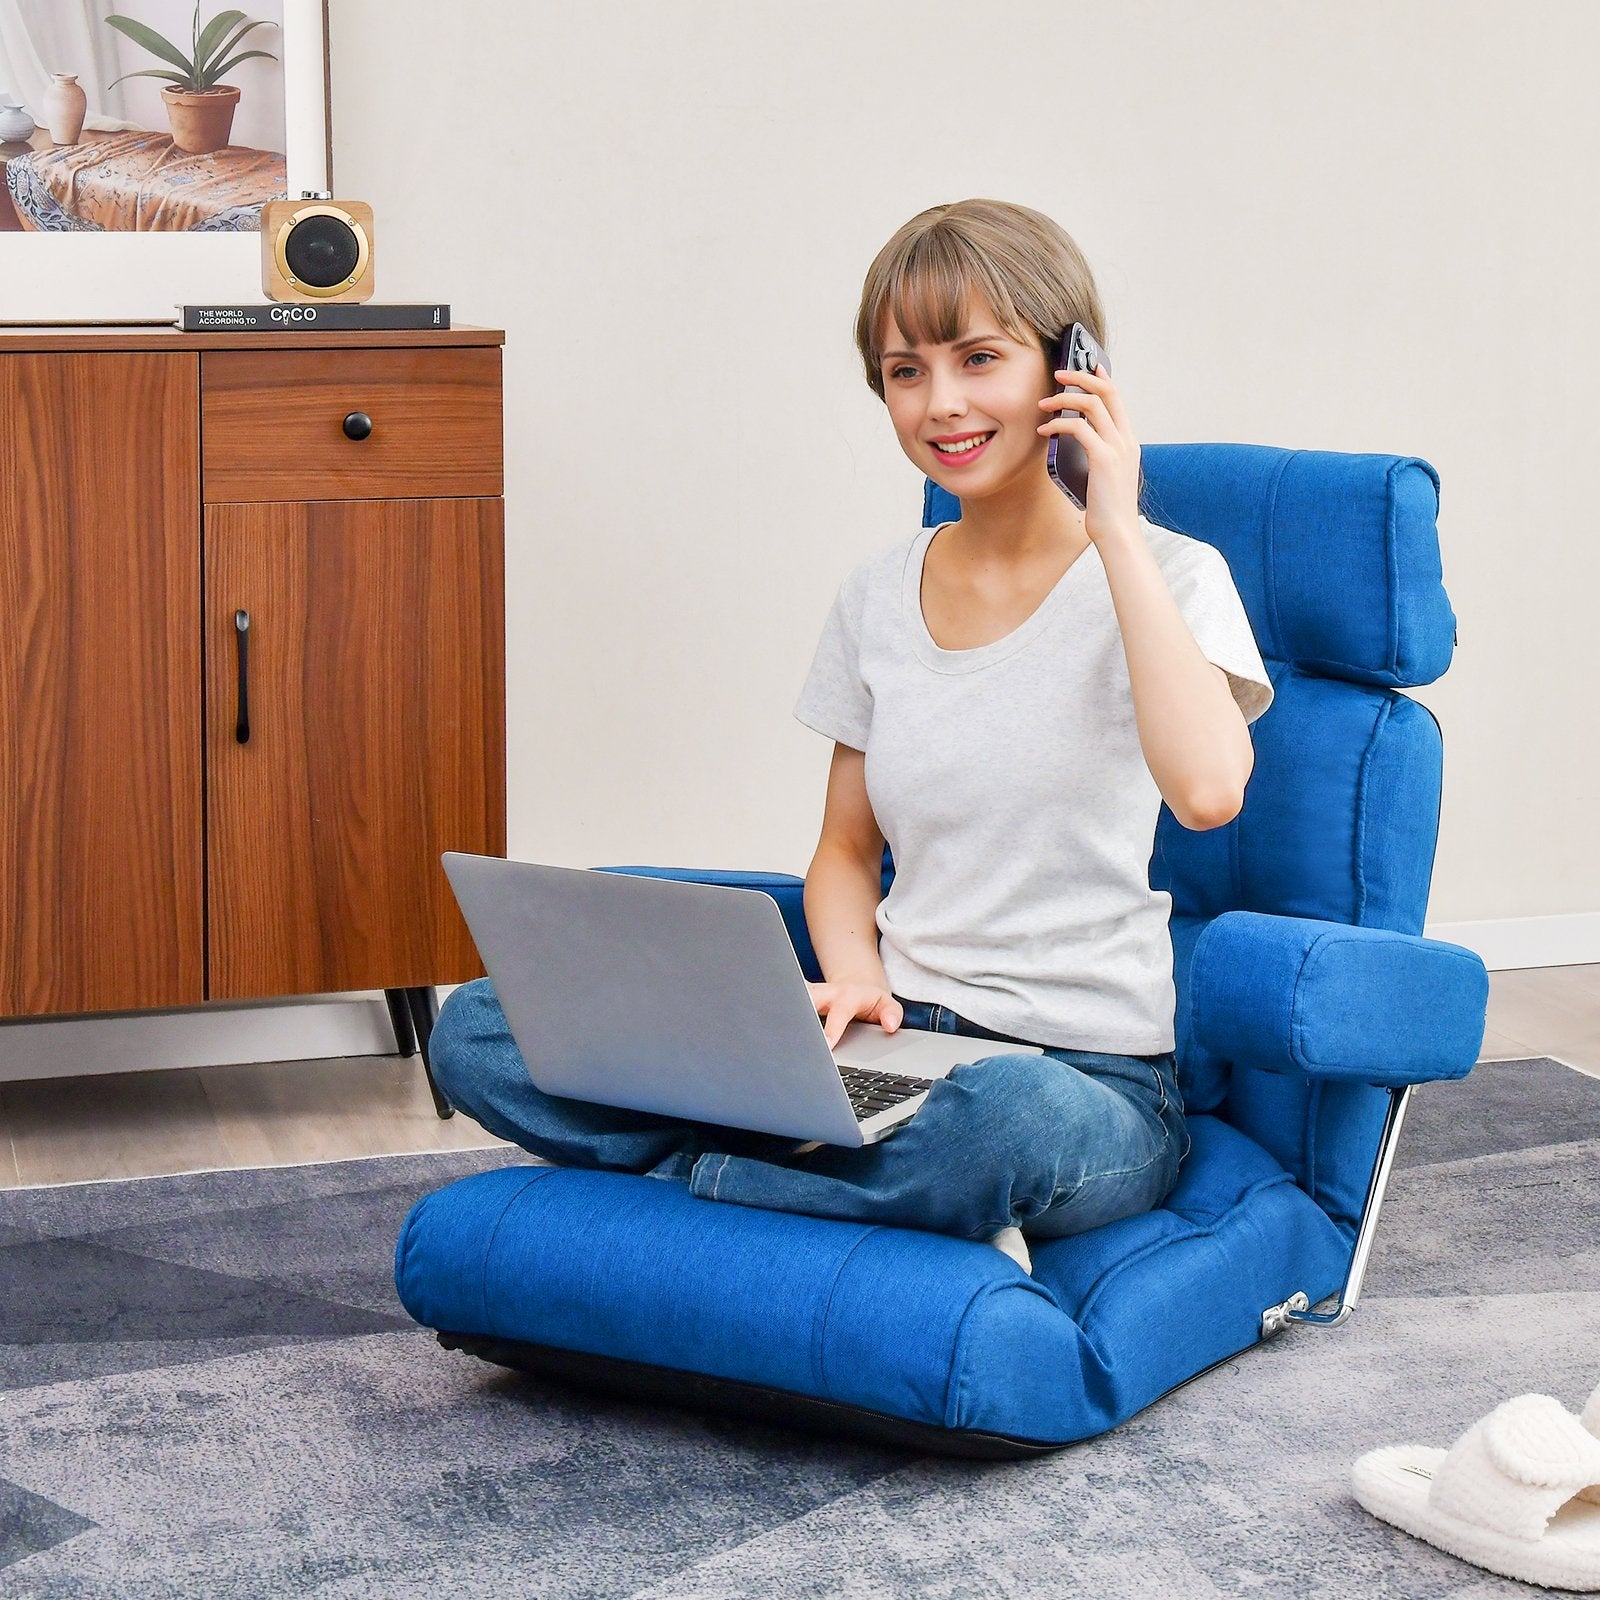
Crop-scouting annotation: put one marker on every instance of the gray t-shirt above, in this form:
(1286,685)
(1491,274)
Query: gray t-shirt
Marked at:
(1012,789)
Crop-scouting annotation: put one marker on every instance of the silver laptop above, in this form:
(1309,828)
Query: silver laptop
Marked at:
(687,999)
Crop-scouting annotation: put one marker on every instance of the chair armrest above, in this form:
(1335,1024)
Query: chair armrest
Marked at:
(1332,1001)
(784,887)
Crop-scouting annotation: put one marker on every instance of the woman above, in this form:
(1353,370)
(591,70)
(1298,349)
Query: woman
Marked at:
(1012,696)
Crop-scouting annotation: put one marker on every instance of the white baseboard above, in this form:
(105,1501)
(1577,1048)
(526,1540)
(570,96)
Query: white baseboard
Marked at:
(307,1028)
(1507,942)
(315,1027)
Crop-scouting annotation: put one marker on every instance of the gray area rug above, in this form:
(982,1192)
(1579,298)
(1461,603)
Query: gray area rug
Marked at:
(208,1388)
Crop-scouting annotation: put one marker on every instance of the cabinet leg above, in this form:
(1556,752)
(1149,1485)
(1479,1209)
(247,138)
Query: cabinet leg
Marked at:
(424,1005)
(400,1018)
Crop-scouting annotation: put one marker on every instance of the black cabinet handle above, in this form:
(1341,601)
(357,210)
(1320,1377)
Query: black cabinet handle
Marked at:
(357,425)
(241,633)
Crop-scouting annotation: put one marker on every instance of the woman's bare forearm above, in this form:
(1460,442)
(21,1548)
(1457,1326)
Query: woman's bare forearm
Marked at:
(841,900)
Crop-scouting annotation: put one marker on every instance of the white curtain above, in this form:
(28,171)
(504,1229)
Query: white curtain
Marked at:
(38,37)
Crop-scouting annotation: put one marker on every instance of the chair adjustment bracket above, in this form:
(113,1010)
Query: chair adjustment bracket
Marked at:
(1297,1308)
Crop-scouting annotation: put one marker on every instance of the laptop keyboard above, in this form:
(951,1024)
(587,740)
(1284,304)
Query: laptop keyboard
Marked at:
(875,1091)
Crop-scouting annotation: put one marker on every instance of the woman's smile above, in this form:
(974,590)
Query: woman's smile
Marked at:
(968,449)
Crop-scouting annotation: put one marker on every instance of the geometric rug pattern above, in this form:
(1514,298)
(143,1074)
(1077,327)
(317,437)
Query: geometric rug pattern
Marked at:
(208,1388)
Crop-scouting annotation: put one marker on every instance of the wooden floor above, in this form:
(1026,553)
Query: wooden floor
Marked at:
(138,1124)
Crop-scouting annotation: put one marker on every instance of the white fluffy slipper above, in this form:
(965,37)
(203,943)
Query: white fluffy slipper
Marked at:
(1518,1493)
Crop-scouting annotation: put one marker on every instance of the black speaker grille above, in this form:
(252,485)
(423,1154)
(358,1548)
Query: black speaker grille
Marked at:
(322,251)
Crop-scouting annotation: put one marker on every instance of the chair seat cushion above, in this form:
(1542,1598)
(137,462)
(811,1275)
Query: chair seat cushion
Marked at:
(945,1336)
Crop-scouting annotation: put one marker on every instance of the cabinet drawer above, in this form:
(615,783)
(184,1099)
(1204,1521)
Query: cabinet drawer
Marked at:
(272,424)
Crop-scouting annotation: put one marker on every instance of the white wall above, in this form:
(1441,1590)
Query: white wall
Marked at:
(1369,227)
(1363,227)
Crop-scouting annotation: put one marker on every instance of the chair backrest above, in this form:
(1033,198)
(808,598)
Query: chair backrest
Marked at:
(1336,558)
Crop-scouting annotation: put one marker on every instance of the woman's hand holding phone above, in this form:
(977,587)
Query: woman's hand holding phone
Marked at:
(840,1004)
(1093,417)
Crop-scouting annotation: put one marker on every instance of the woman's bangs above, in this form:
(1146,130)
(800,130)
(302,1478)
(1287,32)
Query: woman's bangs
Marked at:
(927,301)
(938,291)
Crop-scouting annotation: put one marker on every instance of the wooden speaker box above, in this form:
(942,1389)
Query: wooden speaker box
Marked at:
(317,250)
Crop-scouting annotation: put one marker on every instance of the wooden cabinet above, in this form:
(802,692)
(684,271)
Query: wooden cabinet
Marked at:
(252,673)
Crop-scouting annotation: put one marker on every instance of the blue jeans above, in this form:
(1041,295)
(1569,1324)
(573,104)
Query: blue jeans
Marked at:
(1053,1144)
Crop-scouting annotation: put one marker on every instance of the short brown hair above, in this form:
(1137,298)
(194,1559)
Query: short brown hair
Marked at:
(1025,266)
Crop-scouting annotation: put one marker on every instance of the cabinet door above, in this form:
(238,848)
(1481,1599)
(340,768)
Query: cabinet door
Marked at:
(101,894)
(375,693)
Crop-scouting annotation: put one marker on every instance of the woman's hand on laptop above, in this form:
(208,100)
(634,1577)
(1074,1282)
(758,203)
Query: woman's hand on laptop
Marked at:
(840,1004)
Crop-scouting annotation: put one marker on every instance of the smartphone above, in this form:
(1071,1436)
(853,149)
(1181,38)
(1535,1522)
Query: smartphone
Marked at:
(1069,461)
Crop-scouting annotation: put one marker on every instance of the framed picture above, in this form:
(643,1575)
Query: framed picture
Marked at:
(136,152)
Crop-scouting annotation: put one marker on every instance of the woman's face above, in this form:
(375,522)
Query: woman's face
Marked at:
(983,383)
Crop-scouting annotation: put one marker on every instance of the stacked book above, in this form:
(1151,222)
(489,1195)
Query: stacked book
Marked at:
(291,317)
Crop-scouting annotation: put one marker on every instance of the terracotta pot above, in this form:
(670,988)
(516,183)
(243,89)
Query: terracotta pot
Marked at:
(201,119)
(65,106)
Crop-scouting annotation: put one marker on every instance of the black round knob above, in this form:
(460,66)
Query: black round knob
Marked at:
(357,425)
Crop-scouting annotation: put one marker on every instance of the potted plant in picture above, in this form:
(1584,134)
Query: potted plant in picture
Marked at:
(199,108)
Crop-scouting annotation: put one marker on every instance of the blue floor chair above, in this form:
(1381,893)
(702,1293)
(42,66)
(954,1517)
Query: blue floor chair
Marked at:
(1308,1005)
